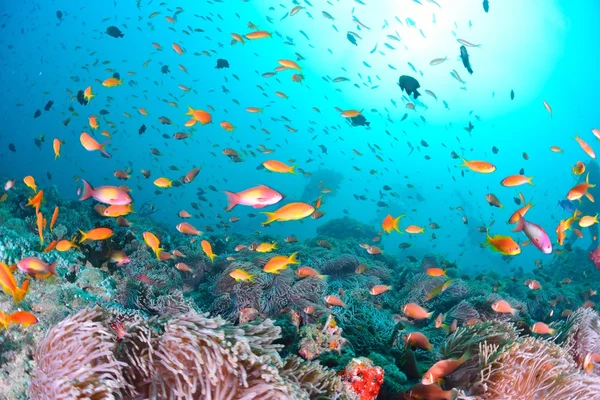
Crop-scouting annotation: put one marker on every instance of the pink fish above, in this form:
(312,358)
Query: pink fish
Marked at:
(595,256)
(536,235)
(35,267)
(105,194)
(257,197)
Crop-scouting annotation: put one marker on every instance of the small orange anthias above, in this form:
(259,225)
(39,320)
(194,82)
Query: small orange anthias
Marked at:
(120,330)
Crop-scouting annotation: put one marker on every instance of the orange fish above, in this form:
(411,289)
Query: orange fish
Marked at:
(30,183)
(289,212)
(279,263)
(18,318)
(305,272)
(585,147)
(503,244)
(112,82)
(87,94)
(36,201)
(198,116)
(483,167)
(207,248)
(414,229)
(153,242)
(379,289)
(390,223)
(541,329)
(227,126)
(334,301)
(581,189)
(443,368)
(418,340)
(278,166)
(415,311)
(516,180)
(502,307)
(56,147)
(350,113)
(93,121)
(289,64)
(40,222)
(54,217)
(436,272)
(578,168)
(177,49)
(517,215)
(96,234)
(188,229)
(90,144)
(258,35)
(9,284)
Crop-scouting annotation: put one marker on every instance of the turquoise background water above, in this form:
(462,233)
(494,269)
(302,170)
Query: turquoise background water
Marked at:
(543,50)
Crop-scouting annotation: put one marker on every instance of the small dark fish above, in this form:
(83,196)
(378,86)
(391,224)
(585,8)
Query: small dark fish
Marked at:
(142,129)
(470,127)
(38,142)
(567,206)
(517,201)
(103,112)
(114,32)
(222,63)
(323,148)
(12,147)
(424,143)
(164,69)
(49,175)
(59,15)
(37,113)
(512,94)
(48,105)
(351,38)
(494,150)
(409,85)
(359,120)
(522,171)
(464,55)
(404,245)
(80,99)
(381,204)
(211,187)
(486,5)
(411,259)
(117,75)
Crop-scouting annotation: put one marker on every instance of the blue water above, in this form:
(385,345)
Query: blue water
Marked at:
(543,50)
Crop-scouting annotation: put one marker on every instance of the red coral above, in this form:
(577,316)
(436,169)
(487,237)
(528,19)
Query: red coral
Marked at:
(362,378)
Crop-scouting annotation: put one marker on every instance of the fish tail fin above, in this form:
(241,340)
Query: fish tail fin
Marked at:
(396,224)
(275,244)
(292,259)
(233,199)
(520,225)
(20,292)
(88,190)
(83,236)
(52,268)
(429,314)
(271,217)
(292,170)
(157,252)
(529,180)
(190,111)
(551,331)
(250,278)
(323,277)
(103,150)
(465,162)
(212,257)
(487,237)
